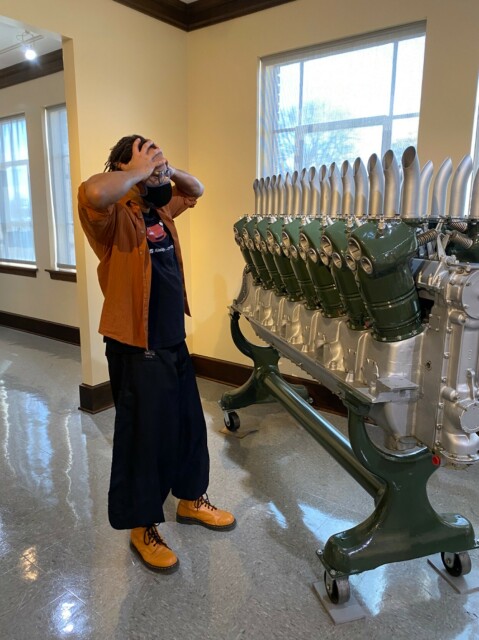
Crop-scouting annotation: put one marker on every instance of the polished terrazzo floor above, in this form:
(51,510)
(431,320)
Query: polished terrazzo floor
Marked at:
(64,573)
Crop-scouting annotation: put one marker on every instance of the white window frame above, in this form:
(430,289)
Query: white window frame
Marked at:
(266,162)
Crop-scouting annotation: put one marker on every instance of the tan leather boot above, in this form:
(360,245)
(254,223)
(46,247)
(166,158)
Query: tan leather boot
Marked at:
(201,511)
(153,550)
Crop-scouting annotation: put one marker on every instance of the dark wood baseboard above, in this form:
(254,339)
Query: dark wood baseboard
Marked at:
(95,398)
(45,328)
(235,375)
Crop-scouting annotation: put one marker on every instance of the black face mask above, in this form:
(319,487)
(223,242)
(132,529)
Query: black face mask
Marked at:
(159,196)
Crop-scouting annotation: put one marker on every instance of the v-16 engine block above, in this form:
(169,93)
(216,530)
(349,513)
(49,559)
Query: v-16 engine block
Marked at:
(370,279)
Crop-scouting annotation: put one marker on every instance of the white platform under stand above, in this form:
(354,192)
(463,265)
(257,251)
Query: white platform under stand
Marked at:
(352,610)
(462,584)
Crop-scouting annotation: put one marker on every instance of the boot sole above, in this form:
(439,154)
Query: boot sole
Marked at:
(214,527)
(170,569)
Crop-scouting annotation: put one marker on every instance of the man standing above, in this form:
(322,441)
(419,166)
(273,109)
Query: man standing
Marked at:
(160,442)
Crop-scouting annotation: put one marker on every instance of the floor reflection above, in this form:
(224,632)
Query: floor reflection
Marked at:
(66,574)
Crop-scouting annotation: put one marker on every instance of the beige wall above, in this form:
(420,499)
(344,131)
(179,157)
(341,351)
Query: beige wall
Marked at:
(124,73)
(222,83)
(38,297)
(197,94)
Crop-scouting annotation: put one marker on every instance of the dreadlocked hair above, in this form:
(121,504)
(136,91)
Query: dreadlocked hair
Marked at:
(122,152)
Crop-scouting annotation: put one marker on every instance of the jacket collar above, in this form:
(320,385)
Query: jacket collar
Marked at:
(135,194)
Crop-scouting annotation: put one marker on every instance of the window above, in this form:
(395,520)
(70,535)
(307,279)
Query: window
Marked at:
(16,229)
(60,186)
(341,100)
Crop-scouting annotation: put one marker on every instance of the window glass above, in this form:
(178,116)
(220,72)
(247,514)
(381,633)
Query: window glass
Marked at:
(407,94)
(60,186)
(340,101)
(288,95)
(16,228)
(404,134)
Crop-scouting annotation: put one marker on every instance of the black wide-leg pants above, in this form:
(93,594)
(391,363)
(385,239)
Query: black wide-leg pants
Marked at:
(160,442)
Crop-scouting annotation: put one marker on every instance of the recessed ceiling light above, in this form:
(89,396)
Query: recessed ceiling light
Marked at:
(30,53)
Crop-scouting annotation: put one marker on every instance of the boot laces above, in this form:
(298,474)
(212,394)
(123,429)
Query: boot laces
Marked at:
(204,500)
(152,536)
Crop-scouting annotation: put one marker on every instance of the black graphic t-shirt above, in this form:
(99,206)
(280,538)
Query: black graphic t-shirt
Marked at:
(166,312)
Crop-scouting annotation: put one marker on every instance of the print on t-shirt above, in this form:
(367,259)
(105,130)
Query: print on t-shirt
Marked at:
(156,232)
(166,324)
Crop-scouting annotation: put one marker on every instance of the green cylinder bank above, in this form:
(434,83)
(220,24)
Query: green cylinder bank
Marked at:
(256,255)
(273,240)
(324,285)
(382,251)
(245,252)
(334,244)
(261,242)
(290,241)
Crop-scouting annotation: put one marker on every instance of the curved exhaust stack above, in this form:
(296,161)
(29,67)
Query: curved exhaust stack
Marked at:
(305,209)
(279,211)
(474,214)
(438,206)
(336,191)
(424,183)
(274,196)
(410,187)
(296,189)
(361,189)
(376,187)
(325,195)
(392,185)
(269,197)
(257,197)
(288,195)
(348,189)
(315,190)
(457,200)
(262,187)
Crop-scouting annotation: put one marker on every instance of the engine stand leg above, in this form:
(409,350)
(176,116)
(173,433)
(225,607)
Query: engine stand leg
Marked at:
(404,524)
(253,391)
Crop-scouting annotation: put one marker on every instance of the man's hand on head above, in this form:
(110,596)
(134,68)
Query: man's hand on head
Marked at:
(145,161)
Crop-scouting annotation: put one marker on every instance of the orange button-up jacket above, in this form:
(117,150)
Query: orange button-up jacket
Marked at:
(117,235)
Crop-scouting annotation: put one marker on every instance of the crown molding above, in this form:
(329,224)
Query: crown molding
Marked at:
(24,71)
(199,14)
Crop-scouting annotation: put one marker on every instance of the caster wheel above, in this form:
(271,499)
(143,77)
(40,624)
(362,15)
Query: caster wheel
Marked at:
(456,564)
(232,421)
(337,589)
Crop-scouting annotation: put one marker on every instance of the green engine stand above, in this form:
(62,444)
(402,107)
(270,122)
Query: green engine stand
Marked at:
(403,525)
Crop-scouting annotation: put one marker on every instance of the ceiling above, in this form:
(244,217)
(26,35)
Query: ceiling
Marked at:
(12,47)
(15,35)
